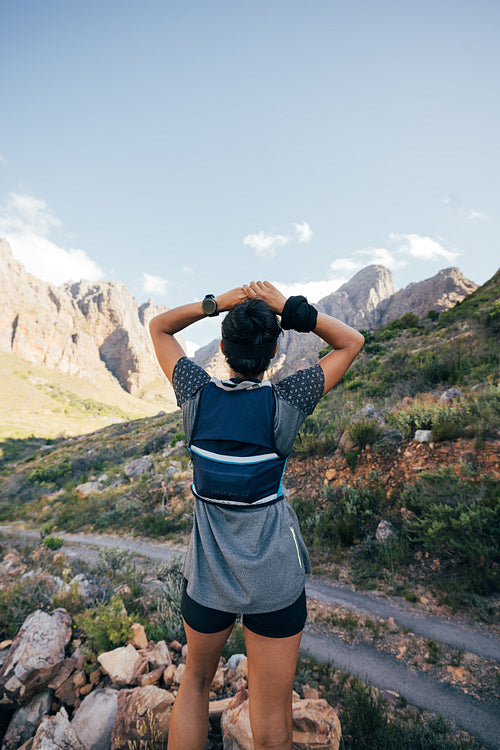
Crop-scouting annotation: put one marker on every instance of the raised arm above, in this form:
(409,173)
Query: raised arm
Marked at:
(345,341)
(164,326)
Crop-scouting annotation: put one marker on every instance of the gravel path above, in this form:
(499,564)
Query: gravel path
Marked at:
(480,718)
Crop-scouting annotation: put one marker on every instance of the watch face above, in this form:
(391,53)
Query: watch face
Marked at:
(209,305)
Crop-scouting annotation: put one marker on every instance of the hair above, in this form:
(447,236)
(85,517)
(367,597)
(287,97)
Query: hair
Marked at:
(250,322)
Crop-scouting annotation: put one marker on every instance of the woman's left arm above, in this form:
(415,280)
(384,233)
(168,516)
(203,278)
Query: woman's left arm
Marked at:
(163,327)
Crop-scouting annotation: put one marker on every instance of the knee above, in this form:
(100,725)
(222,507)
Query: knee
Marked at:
(198,679)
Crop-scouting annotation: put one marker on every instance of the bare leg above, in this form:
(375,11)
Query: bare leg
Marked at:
(271,673)
(189,722)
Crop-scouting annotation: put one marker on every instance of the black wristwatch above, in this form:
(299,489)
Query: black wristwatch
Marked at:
(209,306)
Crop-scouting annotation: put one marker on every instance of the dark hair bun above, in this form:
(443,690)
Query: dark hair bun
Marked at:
(250,322)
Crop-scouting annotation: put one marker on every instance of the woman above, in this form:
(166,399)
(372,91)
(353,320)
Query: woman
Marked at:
(246,554)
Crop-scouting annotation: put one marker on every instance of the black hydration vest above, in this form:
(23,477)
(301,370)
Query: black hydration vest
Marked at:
(235,460)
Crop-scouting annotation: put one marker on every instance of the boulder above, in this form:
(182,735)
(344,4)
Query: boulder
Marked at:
(56,733)
(139,638)
(234,660)
(94,719)
(122,664)
(451,394)
(23,723)
(385,532)
(316,725)
(88,488)
(36,654)
(422,436)
(143,716)
(138,467)
(158,655)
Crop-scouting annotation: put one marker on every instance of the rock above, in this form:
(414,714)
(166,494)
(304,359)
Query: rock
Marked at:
(158,655)
(407,515)
(392,436)
(310,693)
(150,678)
(315,725)
(139,638)
(56,733)
(242,668)
(218,682)
(12,565)
(88,488)
(36,654)
(143,716)
(345,442)
(368,412)
(169,675)
(138,467)
(422,436)
(94,719)
(122,664)
(385,532)
(451,394)
(178,674)
(23,723)
(234,660)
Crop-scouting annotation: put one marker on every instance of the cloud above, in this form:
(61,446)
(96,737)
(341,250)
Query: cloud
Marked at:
(265,245)
(28,224)
(191,348)
(367,257)
(471,214)
(422,248)
(313,290)
(2,157)
(154,284)
(188,270)
(304,231)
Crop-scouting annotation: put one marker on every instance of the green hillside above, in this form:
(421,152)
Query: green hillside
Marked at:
(41,402)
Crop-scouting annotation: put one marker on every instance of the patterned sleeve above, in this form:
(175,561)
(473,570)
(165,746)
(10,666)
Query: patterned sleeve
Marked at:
(303,389)
(187,378)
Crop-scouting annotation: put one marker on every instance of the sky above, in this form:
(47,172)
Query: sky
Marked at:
(185,148)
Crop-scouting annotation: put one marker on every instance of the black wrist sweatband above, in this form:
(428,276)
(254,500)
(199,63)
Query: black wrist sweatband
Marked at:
(299,315)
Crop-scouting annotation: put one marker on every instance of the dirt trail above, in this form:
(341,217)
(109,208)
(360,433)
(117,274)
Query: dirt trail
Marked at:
(481,718)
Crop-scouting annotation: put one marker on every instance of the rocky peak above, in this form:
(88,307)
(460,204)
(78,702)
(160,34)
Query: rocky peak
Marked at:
(440,292)
(91,329)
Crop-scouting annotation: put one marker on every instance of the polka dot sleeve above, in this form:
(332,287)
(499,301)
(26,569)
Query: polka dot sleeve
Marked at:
(187,378)
(303,389)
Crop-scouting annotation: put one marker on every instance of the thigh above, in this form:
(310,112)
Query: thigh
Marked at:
(203,654)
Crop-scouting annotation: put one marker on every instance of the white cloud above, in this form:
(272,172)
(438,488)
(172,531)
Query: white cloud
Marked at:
(188,270)
(265,245)
(313,290)
(27,223)
(154,284)
(2,157)
(422,248)
(191,348)
(304,231)
(471,214)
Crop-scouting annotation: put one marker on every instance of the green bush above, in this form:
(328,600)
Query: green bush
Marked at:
(53,542)
(105,627)
(20,598)
(365,432)
(458,521)
(51,473)
(168,621)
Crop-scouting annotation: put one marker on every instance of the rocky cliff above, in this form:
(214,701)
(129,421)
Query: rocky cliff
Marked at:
(366,301)
(94,330)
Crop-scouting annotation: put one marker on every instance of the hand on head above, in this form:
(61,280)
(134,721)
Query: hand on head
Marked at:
(268,292)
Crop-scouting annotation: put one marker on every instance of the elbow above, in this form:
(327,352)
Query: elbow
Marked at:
(359,341)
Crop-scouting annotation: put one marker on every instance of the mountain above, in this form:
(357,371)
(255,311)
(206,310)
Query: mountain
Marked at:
(89,329)
(366,301)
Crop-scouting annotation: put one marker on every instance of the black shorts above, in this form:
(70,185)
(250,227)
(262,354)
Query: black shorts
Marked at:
(281,623)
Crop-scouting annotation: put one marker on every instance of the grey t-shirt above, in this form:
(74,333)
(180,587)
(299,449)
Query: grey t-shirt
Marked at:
(249,560)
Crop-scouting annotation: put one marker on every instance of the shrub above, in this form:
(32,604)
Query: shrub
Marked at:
(20,598)
(51,473)
(105,627)
(365,432)
(169,625)
(53,542)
